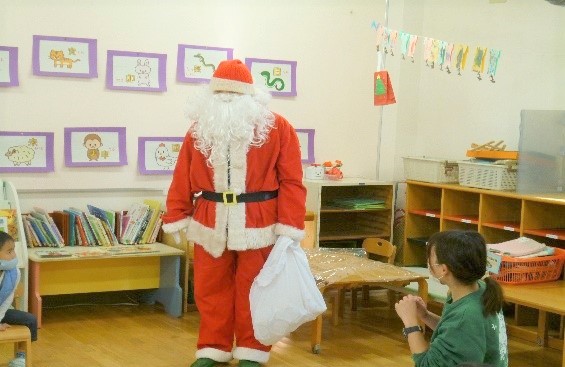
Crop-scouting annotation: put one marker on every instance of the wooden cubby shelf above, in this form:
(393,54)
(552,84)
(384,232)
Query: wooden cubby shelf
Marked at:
(338,222)
(498,215)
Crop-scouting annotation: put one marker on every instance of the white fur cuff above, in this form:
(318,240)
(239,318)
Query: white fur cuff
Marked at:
(215,354)
(251,354)
(176,226)
(292,232)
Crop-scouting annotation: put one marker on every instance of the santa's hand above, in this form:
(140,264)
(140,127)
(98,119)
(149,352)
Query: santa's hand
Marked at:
(176,236)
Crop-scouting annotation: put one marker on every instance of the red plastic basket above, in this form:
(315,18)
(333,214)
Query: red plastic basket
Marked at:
(530,270)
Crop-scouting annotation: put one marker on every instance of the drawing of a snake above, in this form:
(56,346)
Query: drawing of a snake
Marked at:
(271,83)
(199,56)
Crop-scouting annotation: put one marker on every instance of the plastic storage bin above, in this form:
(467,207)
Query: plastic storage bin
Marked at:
(434,170)
(500,177)
(515,270)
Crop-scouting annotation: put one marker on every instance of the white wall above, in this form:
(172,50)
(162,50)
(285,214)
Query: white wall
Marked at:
(436,114)
(440,115)
(331,40)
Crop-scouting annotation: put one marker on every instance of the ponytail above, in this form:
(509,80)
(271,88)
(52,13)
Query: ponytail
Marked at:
(493,298)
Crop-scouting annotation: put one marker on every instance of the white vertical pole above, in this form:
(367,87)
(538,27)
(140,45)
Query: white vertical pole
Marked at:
(380,127)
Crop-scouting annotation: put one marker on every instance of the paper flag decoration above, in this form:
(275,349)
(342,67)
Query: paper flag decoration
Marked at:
(448,54)
(493,63)
(479,61)
(460,53)
(412,46)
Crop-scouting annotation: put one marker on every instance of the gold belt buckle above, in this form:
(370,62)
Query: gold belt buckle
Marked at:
(225,197)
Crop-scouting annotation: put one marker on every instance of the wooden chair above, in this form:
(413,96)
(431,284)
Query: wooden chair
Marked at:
(380,250)
(18,334)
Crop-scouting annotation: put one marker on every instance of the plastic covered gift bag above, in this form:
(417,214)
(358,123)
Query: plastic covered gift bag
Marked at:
(284,295)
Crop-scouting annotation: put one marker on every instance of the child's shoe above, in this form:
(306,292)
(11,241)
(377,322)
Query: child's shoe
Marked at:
(19,361)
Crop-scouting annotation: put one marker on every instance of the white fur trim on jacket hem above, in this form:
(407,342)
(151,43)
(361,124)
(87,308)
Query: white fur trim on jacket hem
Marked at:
(214,243)
(176,226)
(251,354)
(292,232)
(215,354)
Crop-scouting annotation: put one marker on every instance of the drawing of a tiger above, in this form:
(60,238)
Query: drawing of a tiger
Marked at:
(59,58)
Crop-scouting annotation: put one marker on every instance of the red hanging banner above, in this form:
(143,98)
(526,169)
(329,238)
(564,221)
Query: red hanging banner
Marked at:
(382,89)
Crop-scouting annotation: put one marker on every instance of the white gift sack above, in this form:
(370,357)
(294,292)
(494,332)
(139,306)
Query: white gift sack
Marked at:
(284,295)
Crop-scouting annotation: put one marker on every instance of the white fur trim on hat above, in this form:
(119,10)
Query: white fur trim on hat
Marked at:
(215,354)
(227,85)
(251,354)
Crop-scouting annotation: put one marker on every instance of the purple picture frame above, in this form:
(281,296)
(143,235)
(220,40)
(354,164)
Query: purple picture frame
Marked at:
(83,146)
(136,71)
(199,69)
(77,57)
(306,137)
(12,63)
(157,155)
(15,157)
(286,74)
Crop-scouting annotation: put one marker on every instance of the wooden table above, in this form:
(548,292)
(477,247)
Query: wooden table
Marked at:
(545,297)
(70,270)
(338,270)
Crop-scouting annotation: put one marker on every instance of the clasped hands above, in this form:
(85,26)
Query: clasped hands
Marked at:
(411,308)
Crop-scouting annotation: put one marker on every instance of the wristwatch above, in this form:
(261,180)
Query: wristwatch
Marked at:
(411,329)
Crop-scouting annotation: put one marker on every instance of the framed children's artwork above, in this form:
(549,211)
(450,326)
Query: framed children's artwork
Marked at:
(197,64)
(95,146)
(136,71)
(158,155)
(277,76)
(8,66)
(64,56)
(306,140)
(26,152)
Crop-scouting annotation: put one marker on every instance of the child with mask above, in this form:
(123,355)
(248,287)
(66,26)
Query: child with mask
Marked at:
(9,278)
(471,328)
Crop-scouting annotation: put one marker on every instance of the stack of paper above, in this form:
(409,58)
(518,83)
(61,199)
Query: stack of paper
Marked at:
(359,203)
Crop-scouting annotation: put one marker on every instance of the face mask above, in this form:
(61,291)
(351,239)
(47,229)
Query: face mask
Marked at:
(438,279)
(9,264)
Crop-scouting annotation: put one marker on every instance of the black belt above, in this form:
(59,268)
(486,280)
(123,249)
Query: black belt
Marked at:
(230,198)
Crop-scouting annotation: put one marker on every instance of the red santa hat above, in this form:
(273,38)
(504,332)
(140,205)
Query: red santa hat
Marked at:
(232,76)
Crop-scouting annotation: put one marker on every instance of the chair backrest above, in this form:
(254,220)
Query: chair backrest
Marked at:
(379,249)
(18,292)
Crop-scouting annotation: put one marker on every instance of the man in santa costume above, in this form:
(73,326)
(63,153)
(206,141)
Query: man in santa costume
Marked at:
(236,187)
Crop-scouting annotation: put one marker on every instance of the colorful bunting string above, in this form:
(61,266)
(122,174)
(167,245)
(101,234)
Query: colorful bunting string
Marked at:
(436,53)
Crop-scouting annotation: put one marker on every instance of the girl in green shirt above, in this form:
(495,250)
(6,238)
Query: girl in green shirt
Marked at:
(471,327)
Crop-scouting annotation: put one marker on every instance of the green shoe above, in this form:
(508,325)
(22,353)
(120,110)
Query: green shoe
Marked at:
(204,362)
(246,363)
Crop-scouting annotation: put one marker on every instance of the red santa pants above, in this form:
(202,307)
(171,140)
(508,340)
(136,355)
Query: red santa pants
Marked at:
(221,290)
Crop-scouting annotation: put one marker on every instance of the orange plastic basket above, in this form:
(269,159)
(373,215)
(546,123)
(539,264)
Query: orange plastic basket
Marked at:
(530,270)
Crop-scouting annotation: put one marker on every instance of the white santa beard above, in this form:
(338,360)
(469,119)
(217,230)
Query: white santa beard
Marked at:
(225,119)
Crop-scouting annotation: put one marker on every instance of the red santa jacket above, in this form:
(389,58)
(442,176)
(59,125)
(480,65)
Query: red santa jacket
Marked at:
(276,165)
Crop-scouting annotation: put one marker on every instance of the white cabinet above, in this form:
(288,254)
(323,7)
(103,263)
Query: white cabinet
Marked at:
(9,200)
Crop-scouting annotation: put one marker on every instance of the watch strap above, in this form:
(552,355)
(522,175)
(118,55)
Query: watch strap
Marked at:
(411,329)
